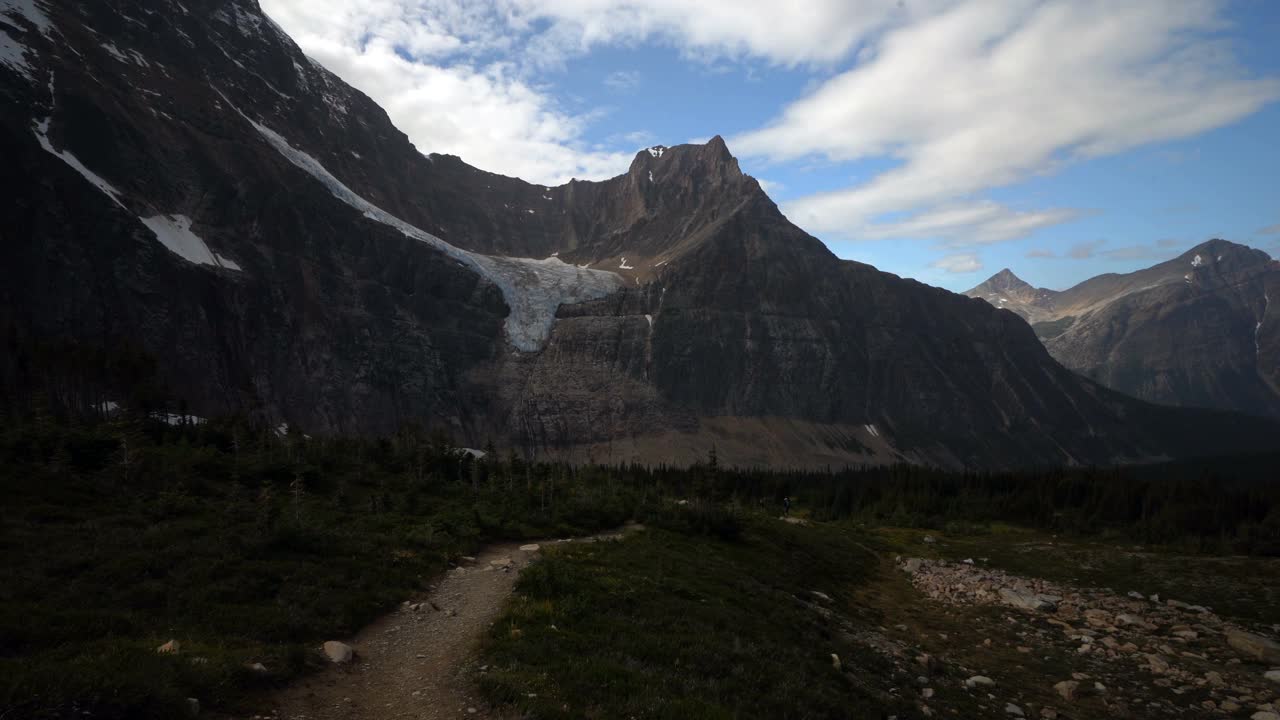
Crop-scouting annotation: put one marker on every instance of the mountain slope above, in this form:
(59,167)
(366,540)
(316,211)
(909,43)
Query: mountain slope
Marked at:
(186,184)
(1193,331)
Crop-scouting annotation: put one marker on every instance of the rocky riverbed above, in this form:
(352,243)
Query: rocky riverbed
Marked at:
(1121,653)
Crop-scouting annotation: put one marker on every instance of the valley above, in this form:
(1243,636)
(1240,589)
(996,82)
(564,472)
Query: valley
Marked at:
(241,553)
(303,416)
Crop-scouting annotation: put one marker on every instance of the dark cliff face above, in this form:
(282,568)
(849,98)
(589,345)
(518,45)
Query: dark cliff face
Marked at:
(201,189)
(1195,331)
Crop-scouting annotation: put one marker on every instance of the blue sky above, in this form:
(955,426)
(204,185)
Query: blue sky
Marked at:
(936,139)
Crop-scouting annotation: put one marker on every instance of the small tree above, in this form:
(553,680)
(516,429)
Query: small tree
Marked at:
(298,489)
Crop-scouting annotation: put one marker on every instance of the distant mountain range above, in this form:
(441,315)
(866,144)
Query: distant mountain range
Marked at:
(1196,331)
(210,220)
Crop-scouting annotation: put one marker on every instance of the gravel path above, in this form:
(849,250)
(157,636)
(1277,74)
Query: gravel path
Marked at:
(412,663)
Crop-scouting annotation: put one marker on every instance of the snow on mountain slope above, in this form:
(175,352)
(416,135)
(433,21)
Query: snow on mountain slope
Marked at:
(533,289)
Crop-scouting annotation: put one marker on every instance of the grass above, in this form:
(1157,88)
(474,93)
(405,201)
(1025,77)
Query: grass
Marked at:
(249,548)
(680,624)
(101,568)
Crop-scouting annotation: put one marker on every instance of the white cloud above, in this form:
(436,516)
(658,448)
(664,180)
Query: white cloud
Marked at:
(958,263)
(622,80)
(791,33)
(989,93)
(770,187)
(463,76)
(1085,250)
(956,224)
(964,95)
(487,113)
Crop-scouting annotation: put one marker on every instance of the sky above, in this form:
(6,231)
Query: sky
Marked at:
(936,139)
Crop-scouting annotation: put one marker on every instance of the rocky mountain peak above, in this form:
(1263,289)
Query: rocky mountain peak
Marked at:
(263,232)
(711,159)
(1004,282)
(1224,253)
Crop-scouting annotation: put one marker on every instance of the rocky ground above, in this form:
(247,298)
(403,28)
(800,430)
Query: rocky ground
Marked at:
(991,643)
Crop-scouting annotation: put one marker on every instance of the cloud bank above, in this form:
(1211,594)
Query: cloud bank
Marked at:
(954,99)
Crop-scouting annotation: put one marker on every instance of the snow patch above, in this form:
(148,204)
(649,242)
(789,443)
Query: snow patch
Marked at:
(113,51)
(335,104)
(174,232)
(173,419)
(657,150)
(650,319)
(872,429)
(42,130)
(625,266)
(533,289)
(1197,261)
(28,9)
(1257,329)
(249,24)
(477,454)
(13,55)
(650,176)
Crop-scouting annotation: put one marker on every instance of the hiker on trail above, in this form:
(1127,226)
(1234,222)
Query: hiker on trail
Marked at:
(786,507)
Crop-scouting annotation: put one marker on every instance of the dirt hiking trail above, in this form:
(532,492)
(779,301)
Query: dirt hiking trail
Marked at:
(415,662)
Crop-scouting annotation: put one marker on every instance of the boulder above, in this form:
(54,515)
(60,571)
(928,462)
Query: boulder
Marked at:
(835,661)
(533,547)
(1273,676)
(1133,621)
(979,681)
(1025,600)
(1254,647)
(912,565)
(192,706)
(1264,715)
(337,652)
(1014,710)
(1067,689)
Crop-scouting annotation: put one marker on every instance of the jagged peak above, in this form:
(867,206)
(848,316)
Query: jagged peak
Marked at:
(713,154)
(1002,281)
(1217,250)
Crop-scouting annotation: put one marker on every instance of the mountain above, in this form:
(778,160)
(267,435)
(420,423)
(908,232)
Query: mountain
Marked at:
(195,210)
(1010,292)
(1194,331)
